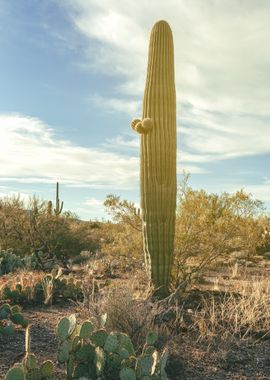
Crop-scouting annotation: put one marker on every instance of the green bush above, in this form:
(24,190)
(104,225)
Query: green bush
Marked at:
(29,228)
(210,227)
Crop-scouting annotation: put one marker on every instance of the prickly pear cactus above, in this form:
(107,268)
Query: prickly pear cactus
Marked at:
(92,354)
(158,157)
(127,374)
(15,373)
(10,316)
(66,327)
(29,370)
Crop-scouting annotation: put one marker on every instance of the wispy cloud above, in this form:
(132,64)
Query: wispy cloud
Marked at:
(224,135)
(31,153)
(119,142)
(222,66)
(93,202)
(131,107)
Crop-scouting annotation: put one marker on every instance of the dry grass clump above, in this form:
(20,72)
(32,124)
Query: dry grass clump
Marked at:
(126,309)
(242,314)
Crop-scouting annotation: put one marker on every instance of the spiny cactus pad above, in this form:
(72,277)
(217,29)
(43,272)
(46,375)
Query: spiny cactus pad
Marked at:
(85,353)
(99,337)
(144,365)
(7,330)
(125,342)
(86,329)
(111,343)
(47,368)
(123,353)
(34,374)
(127,374)
(15,373)
(130,362)
(19,319)
(4,311)
(31,361)
(63,353)
(15,309)
(151,338)
(66,327)
(149,350)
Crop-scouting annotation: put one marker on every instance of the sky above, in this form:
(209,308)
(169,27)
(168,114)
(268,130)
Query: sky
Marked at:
(72,75)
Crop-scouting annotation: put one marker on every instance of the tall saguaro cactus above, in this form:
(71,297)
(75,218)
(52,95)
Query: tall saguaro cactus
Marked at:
(158,157)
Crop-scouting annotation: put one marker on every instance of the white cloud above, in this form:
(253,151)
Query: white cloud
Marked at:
(93,206)
(131,107)
(95,203)
(31,153)
(225,135)
(122,142)
(222,66)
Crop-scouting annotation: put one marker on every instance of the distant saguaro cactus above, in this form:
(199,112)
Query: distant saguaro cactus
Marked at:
(158,158)
(58,207)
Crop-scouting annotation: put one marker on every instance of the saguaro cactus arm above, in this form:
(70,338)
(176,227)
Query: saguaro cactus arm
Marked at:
(142,126)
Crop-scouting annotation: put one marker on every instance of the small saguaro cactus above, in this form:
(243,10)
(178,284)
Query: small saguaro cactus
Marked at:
(58,207)
(158,158)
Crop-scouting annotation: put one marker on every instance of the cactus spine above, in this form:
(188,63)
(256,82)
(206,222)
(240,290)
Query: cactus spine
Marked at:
(158,157)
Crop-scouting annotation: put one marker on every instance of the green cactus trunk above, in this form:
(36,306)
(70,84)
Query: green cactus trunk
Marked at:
(58,206)
(158,157)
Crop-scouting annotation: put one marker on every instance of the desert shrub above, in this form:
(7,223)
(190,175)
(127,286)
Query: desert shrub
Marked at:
(13,227)
(210,227)
(123,211)
(123,236)
(33,227)
(264,245)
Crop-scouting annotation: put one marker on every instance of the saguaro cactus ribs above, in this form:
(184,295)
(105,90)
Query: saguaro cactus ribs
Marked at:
(158,157)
